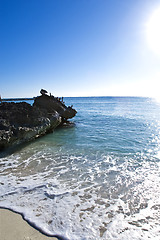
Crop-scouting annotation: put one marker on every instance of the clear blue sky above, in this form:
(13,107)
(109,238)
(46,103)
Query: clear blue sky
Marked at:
(77,48)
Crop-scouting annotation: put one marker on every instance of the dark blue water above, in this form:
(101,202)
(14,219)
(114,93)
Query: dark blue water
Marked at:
(97,180)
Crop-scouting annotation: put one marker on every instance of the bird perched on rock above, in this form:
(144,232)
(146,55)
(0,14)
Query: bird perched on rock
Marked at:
(43,92)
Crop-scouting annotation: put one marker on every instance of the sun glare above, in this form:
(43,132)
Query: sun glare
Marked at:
(153,31)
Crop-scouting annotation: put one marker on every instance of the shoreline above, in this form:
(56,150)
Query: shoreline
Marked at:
(14,227)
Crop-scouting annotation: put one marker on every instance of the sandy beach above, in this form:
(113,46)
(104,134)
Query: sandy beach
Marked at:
(13,227)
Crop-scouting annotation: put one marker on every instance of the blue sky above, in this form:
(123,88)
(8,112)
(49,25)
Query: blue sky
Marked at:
(78,48)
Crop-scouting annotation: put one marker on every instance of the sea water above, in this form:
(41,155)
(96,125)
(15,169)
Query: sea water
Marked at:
(98,180)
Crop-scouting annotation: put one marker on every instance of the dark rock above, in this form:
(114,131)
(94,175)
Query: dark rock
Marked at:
(50,103)
(21,122)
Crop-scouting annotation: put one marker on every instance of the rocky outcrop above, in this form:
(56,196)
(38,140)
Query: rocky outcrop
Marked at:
(50,103)
(21,122)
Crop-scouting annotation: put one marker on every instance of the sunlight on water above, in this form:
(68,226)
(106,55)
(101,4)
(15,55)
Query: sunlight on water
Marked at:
(98,180)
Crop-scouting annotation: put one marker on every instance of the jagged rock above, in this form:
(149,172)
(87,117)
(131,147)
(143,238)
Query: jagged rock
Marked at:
(50,103)
(21,122)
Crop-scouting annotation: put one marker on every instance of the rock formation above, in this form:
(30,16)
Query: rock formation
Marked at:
(50,103)
(21,122)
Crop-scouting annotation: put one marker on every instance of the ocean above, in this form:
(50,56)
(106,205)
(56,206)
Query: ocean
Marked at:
(96,180)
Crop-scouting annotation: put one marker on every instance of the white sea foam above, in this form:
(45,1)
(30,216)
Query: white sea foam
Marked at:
(74,202)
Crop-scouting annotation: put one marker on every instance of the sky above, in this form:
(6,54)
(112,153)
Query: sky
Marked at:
(80,47)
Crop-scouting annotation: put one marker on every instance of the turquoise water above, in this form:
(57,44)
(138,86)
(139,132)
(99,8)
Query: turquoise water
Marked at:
(97,180)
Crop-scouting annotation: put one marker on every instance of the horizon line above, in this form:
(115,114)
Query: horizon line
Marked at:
(32,98)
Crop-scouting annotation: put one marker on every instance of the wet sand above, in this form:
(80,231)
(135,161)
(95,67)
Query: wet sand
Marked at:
(13,227)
